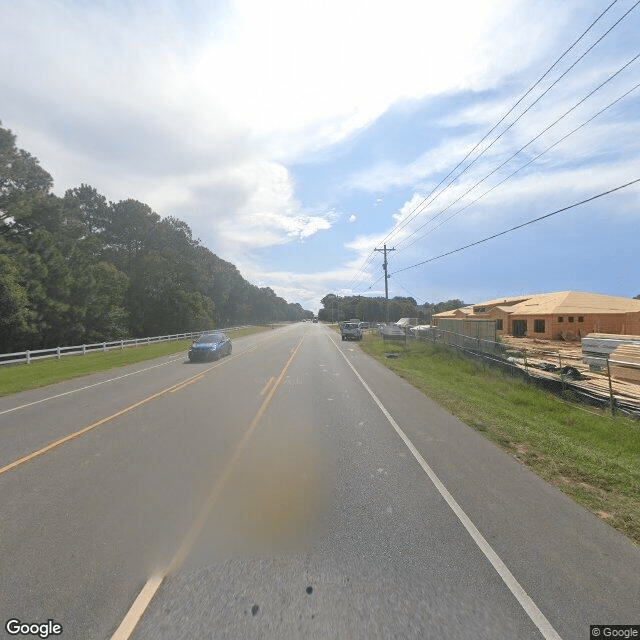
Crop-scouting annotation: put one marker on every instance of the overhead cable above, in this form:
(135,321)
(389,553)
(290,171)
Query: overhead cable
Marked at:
(555,144)
(511,157)
(421,206)
(519,226)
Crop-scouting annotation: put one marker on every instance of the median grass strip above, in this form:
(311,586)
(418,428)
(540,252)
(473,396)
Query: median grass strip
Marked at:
(40,373)
(588,455)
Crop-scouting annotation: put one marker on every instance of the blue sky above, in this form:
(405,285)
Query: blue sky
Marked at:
(294,137)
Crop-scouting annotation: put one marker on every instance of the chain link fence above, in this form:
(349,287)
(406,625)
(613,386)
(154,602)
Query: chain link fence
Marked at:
(552,370)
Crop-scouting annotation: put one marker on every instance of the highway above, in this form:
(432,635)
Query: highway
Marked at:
(295,489)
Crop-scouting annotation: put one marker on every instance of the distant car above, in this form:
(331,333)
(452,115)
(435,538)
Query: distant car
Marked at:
(210,346)
(315,319)
(390,330)
(351,331)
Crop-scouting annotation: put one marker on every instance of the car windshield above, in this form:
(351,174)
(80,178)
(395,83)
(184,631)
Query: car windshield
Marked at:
(211,338)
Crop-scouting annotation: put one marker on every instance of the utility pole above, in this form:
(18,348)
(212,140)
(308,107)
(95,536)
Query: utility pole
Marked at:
(333,308)
(386,277)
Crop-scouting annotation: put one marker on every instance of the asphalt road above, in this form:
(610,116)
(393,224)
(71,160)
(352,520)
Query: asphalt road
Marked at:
(294,489)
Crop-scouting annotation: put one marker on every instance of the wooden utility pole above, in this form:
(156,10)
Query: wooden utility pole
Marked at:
(386,278)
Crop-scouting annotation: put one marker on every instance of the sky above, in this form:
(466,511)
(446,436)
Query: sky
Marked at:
(296,137)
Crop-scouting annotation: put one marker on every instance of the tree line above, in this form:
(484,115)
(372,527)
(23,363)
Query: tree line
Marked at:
(79,269)
(336,308)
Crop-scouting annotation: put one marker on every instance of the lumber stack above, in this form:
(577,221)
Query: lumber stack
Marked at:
(625,363)
(597,346)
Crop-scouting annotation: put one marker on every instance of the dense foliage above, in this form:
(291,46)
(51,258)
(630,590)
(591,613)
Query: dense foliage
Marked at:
(79,269)
(336,308)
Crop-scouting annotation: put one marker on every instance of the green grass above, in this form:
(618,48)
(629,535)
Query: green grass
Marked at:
(40,373)
(590,456)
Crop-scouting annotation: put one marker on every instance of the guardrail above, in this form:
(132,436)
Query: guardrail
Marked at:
(58,352)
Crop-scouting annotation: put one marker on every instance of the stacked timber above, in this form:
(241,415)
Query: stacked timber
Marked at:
(597,346)
(625,363)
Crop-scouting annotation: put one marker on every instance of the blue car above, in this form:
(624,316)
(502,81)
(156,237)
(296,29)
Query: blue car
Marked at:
(210,346)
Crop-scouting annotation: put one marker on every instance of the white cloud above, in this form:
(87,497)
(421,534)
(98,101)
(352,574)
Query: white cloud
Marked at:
(389,175)
(438,229)
(201,111)
(288,75)
(250,206)
(307,288)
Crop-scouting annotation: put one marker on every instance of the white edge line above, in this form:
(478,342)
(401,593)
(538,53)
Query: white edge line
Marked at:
(97,384)
(529,606)
(90,386)
(139,606)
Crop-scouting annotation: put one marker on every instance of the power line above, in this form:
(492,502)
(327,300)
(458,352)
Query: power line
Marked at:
(359,279)
(419,208)
(365,264)
(375,282)
(564,115)
(555,144)
(524,224)
(411,214)
(405,289)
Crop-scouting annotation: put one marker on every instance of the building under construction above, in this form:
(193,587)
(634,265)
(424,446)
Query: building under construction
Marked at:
(565,315)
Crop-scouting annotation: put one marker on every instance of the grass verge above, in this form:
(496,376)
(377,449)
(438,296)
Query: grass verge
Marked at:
(588,455)
(21,377)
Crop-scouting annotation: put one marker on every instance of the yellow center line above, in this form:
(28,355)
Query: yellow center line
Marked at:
(133,616)
(266,386)
(224,477)
(113,416)
(188,382)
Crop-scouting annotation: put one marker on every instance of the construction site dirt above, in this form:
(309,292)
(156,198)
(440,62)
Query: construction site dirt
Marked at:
(547,358)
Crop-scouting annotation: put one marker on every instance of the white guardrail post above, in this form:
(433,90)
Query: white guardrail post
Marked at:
(57,352)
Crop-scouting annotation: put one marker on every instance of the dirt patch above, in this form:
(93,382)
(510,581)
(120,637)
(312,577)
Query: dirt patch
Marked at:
(541,353)
(574,483)
(526,456)
(551,351)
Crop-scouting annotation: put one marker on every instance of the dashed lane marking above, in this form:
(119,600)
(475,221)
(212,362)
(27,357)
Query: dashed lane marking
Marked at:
(140,604)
